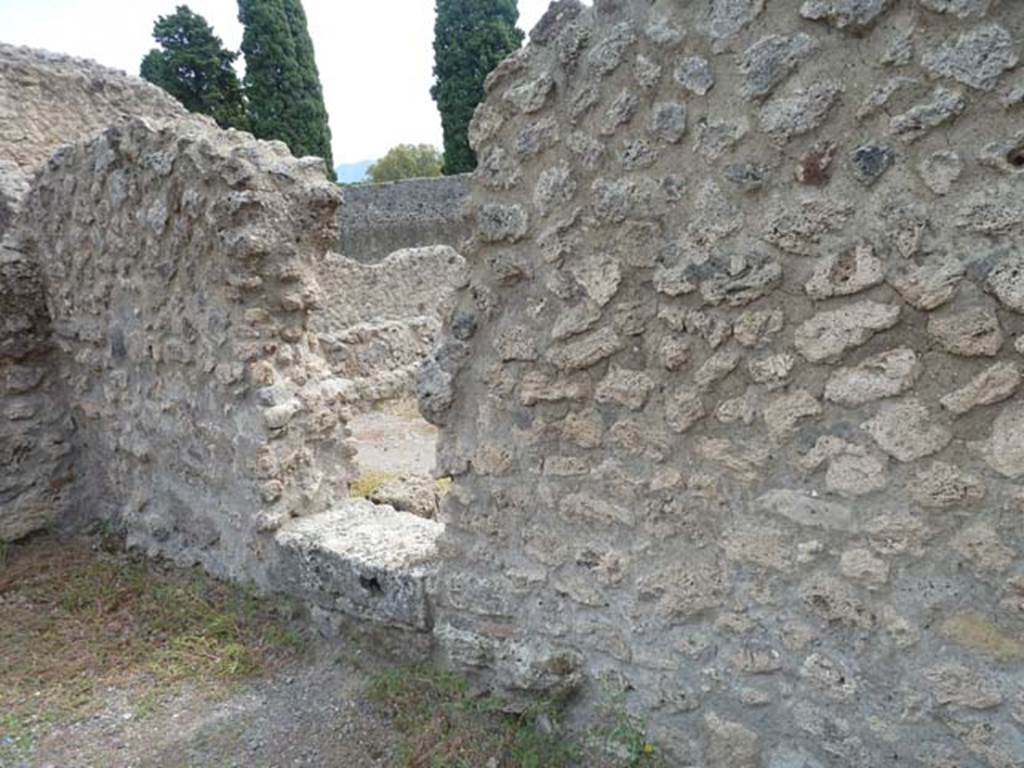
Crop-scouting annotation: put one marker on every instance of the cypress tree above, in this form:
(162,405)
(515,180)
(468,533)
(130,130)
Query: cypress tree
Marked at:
(193,66)
(471,37)
(282,83)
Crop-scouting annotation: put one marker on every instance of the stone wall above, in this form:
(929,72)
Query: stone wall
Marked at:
(379,219)
(13,185)
(379,321)
(179,263)
(732,397)
(50,99)
(46,100)
(35,473)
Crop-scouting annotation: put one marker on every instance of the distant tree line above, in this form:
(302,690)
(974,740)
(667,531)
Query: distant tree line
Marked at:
(407,161)
(280,96)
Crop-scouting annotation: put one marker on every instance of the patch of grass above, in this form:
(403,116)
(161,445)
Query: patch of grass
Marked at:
(74,622)
(441,725)
(622,734)
(15,738)
(365,485)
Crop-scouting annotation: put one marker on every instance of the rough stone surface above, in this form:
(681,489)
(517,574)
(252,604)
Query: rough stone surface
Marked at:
(381,319)
(362,559)
(180,268)
(46,100)
(969,333)
(653,488)
(845,13)
(830,334)
(884,375)
(49,99)
(976,58)
(378,219)
(35,430)
(733,456)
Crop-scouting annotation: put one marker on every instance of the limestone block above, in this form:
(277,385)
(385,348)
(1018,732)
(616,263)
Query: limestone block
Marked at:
(694,73)
(943,485)
(862,565)
(930,284)
(940,171)
(362,559)
(807,510)
(969,333)
(1004,450)
(731,744)
(1006,282)
(830,334)
(846,273)
(993,385)
(883,375)
(801,111)
(907,431)
(943,107)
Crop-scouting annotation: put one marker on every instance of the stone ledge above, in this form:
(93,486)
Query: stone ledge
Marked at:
(365,560)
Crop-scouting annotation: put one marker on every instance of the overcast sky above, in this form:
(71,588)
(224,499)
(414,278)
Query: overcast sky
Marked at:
(375,56)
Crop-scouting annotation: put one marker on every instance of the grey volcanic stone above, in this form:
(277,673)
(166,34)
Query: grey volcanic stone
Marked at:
(871,161)
(845,13)
(976,58)
(801,111)
(769,61)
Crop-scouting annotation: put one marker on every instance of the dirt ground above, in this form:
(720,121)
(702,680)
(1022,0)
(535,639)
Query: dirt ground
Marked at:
(112,661)
(310,714)
(394,440)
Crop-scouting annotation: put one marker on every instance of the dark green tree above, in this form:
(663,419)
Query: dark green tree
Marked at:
(471,37)
(193,66)
(282,84)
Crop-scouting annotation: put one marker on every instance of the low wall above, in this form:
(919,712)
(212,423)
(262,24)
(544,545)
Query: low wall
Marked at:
(732,396)
(379,219)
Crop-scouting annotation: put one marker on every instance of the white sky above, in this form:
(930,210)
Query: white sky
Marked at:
(375,56)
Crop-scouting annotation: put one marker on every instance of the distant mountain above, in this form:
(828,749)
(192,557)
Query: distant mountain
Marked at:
(349,173)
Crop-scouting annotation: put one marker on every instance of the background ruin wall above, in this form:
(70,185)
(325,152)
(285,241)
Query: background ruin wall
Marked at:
(379,219)
(732,397)
(380,320)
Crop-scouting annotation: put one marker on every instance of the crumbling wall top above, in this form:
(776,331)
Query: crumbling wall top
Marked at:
(50,99)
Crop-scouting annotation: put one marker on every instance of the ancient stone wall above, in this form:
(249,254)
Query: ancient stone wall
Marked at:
(46,100)
(379,321)
(50,99)
(35,473)
(733,395)
(379,219)
(179,266)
